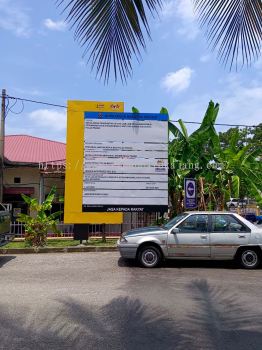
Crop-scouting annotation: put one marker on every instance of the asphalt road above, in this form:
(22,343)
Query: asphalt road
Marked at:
(98,301)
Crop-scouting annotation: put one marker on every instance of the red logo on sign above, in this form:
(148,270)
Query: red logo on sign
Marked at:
(115,106)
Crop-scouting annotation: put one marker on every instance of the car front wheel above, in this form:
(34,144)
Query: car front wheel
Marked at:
(249,258)
(149,256)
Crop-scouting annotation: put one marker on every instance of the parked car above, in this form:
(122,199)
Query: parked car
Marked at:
(259,219)
(5,220)
(251,217)
(196,235)
(236,202)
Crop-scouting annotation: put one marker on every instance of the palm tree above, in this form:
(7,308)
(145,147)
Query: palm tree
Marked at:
(235,27)
(114,31)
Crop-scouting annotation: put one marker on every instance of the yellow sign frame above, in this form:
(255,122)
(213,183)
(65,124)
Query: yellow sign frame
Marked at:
(73,213)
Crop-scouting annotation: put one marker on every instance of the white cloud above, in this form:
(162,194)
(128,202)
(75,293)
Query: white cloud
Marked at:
(185,10)
(17,130)
(169,9)
(205,58)
(177,81)
(14,18)
(59,26)
(50,119)
(239,104)
(181,11)
(46,123)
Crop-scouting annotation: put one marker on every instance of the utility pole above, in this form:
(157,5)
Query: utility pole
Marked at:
(41,189)
(2,144)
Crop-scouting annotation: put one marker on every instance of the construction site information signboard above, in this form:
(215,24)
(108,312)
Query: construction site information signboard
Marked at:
(125,162)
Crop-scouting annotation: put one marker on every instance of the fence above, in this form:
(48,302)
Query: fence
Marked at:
(131,220)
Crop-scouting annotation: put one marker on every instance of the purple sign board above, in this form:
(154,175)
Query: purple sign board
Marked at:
(190,188)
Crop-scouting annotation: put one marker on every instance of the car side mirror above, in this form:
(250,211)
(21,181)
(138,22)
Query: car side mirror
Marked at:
(175,230)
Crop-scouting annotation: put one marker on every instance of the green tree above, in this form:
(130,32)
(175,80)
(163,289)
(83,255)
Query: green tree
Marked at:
(115,31)
(223,169)
(244,163)
(192,156)
(40,220)
(246,136)
(256,137)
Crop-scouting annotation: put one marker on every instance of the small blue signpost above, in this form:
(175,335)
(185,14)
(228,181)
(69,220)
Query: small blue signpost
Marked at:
(190,188)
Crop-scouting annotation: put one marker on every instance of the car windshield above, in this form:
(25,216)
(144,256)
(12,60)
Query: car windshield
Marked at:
(174,221)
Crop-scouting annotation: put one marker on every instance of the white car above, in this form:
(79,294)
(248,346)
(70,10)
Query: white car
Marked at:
(196,235)
(236,202)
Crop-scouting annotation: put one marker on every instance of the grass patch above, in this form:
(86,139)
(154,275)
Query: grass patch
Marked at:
(95,242)
(63,243)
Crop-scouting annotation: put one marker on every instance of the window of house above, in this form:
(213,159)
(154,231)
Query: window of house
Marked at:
(194,224)
(17,180)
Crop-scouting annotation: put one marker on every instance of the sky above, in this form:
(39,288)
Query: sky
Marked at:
(40,60)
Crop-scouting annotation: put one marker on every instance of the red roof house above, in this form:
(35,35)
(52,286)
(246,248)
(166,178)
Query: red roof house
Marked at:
(34,150)
(32,166)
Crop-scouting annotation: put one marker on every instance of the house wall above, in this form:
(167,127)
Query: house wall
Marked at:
(30,177)
(55,180)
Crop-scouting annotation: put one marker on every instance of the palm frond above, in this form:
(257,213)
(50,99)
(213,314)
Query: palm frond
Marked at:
(111,31)
(234,27)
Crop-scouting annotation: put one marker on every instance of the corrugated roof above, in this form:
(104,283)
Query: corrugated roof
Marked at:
(30,149)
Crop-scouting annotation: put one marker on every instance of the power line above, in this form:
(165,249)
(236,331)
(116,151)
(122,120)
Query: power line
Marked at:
(10,108)
(219,124)
(63,106)
(34,101)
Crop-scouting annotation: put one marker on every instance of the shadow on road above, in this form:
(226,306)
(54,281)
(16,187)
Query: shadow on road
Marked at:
(127,262)
(124,323)
(217,321)
(183,264)
(220,321)
(5,259)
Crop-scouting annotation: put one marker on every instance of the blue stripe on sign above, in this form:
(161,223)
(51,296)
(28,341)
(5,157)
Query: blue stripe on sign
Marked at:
(126,116)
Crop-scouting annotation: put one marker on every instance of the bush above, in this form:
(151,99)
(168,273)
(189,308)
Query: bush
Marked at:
(39,220)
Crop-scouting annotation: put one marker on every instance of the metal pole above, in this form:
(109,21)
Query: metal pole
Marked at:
(41,189)
(2,144)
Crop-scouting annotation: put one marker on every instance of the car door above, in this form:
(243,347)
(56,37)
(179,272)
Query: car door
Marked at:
(227,234)
(191,238)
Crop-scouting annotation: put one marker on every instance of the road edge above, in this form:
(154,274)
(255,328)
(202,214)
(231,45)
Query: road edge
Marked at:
(5,251)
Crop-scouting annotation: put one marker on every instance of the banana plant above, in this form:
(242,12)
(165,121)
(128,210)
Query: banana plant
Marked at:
(244,166)
(39,221)
(239,171)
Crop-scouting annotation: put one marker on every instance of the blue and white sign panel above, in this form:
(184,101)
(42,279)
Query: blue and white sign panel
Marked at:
(125,162)
(190,187)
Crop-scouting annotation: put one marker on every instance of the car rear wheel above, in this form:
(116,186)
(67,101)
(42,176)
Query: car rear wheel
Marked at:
(249,258)
(149,256)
